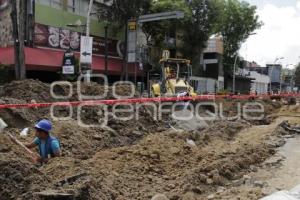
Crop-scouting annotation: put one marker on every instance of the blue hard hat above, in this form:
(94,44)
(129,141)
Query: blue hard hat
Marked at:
(44,125)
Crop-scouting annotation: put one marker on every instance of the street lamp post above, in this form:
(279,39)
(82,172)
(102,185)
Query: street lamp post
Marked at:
(88,23)
(271,72)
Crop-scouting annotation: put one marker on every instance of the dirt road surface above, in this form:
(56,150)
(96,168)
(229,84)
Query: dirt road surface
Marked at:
(140,159)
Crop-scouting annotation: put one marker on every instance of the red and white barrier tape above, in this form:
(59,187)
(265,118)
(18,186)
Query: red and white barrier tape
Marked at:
(144,100)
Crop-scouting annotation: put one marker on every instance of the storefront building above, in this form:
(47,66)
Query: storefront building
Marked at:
(54,26)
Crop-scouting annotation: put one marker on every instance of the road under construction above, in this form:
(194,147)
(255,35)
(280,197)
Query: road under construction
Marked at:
(146,157)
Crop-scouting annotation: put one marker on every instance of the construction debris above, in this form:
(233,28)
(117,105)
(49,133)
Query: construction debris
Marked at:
(288,127)
(136,159)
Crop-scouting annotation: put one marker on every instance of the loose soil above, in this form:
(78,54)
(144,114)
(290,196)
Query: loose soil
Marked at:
(133,159)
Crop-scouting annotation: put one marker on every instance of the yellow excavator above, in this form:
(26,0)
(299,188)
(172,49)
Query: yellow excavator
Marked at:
(174,79)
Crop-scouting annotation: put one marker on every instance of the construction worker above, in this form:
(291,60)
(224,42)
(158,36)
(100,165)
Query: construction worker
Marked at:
(48,145)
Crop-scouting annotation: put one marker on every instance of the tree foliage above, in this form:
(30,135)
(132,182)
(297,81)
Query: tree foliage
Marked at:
(158,30)
(123,10)
(237,21)
(198,28)
(193,30)
(120,12)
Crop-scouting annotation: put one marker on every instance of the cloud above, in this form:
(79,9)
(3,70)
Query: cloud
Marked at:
(280,36)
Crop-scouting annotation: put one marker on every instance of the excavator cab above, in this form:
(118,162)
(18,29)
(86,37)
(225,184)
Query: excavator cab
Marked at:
(174,79)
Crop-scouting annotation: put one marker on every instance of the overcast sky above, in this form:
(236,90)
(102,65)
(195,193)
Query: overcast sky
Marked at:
(280,35)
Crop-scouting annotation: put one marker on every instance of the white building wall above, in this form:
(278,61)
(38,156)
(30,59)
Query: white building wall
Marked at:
(260,83)
(204,85)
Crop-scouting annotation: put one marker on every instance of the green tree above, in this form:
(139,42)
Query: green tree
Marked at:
(158,30)
(123,10)
(297,76)
(237,21)
(118,15)
(193,30)
(197,29)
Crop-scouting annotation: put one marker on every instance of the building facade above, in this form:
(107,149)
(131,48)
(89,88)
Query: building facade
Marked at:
(212,61)
(251,80)
(274,72)
(260,78)
(260,82)
(288,81)
(54,26)
(6,33)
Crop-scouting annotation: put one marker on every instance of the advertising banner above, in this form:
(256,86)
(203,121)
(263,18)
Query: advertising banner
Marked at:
(60,38)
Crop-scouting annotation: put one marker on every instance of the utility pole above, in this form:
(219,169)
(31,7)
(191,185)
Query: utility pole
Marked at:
(106,48)
(88,18)
(14,19)
(126,52)
(88,22)
(18,35)
(124,67)
(22,17)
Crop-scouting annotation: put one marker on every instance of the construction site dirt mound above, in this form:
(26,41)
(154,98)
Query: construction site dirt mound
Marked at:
(36,91)
(240,109)
(164,162)
(160,163)
(17,174)
(83,143)
(224,129)
(27,90)
(135,159)
(21,117)
(93,89)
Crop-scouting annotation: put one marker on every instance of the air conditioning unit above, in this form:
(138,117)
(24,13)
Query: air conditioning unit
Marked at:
(105,2)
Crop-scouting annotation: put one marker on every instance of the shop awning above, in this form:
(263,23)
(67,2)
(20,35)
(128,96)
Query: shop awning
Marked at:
(51,60)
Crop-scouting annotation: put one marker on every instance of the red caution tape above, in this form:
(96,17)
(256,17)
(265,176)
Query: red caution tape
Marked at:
(145,100)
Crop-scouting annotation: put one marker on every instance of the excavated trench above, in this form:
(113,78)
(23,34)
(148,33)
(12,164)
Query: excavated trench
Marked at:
(136,159)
